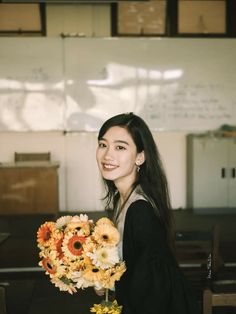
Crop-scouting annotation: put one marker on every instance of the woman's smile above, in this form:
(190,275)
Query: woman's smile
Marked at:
(108,166)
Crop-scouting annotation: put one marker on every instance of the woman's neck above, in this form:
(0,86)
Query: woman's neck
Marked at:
(124,195)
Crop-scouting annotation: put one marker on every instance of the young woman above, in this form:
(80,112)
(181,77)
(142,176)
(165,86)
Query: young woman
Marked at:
(137,191)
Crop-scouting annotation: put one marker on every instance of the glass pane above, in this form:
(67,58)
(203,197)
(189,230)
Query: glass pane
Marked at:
(146,18)
(20,17)
(202,17)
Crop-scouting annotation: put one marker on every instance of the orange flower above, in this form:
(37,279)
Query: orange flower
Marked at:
(48,265)
(73,245)
(59,248)
(45,233)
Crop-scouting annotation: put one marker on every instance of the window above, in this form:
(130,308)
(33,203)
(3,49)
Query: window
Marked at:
(201,17)
(22,19)
(141,18)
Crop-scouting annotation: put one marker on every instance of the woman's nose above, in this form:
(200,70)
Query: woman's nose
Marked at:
(109,154)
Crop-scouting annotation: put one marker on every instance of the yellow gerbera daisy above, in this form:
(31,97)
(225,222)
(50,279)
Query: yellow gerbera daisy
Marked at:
(104,308)
(104,220)
(93,273)
(106,234)
(89,245)
(113,274)
(78,225)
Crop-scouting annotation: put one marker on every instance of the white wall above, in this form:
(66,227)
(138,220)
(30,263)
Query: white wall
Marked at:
(80,186)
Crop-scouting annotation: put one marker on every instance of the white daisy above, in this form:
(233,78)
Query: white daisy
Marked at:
(63,221)
(104,257)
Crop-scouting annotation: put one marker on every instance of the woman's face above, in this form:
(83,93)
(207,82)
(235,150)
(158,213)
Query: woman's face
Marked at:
(117,157)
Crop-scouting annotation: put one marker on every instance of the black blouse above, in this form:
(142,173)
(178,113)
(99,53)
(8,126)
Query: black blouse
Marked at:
(153,283)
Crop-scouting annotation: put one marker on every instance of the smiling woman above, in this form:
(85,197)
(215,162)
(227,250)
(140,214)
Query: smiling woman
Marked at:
(137,191)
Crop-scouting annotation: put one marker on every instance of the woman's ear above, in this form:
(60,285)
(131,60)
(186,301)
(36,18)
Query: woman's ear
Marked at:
(140,158)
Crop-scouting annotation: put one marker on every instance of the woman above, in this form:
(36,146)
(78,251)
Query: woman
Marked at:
(137,191)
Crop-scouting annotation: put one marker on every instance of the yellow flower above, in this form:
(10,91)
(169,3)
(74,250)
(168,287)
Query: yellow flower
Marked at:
(106,308)
(93,273)
(104,220)
(80,225)
(113,274)
(89,245)
(106,234)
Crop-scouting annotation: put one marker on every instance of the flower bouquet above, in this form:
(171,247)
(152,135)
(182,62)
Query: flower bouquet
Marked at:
(77,253)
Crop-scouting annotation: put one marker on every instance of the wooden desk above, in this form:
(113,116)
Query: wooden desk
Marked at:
(29,187)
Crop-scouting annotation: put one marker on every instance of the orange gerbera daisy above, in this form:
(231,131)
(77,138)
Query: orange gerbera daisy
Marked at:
(58,245)
(45,234)
(49,266)
(73,245)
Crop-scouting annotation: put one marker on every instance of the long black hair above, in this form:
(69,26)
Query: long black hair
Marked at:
(151,176)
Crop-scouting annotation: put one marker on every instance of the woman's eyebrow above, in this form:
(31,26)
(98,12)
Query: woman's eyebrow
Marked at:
(115,141)
(121,141)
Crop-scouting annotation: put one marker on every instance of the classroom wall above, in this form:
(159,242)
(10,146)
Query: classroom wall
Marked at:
(80,186)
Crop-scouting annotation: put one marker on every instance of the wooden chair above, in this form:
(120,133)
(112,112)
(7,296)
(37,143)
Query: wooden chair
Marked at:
(212,299)
(194,251)
(218,292)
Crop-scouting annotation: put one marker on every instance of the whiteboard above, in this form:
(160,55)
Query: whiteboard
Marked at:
(174,84)
(31,84)
(75,84)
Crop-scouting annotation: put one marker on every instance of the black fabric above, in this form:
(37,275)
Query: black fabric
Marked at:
(153,283)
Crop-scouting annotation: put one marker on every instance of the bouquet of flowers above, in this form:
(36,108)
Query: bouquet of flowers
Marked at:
(77,253)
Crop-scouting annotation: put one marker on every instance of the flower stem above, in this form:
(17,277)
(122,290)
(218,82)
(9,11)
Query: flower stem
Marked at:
(106,295)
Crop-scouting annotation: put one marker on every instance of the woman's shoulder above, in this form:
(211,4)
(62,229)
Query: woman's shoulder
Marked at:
(141,208)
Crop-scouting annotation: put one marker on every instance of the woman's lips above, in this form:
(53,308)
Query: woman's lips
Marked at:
(109,166)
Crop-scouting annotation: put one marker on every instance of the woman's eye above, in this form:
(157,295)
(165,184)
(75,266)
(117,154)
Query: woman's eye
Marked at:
(101,145)
(120,147)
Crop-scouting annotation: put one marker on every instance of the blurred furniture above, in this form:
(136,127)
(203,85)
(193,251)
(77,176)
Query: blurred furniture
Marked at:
(32,156)
(3,309)
(212,298)
(220,290)
(3,236)
(194,251)
(29,187)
